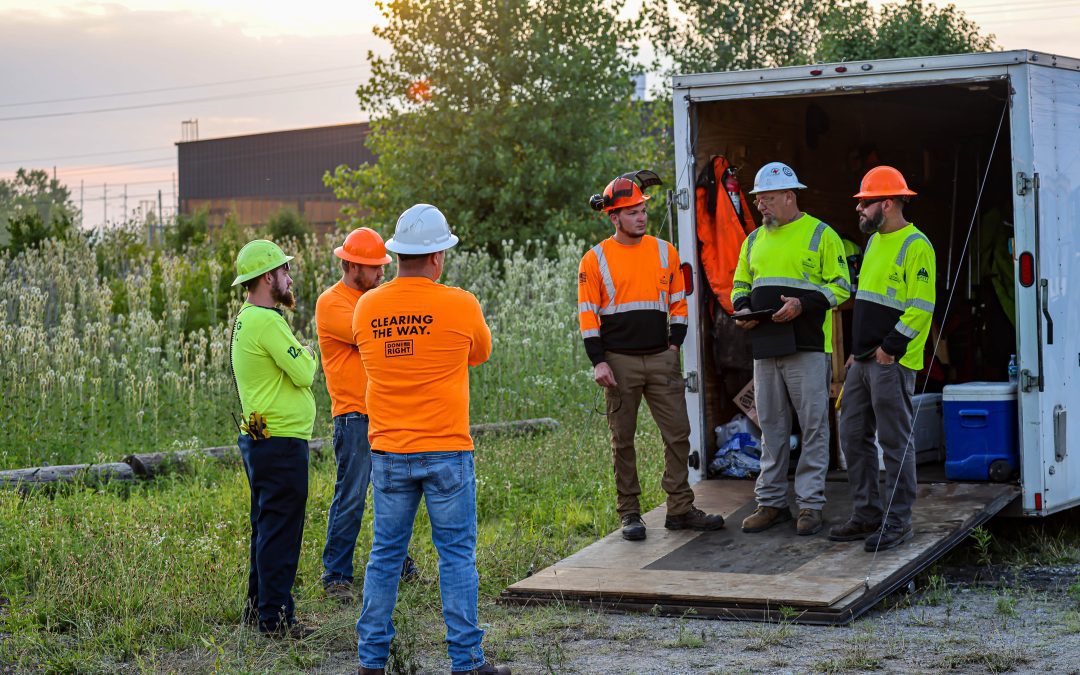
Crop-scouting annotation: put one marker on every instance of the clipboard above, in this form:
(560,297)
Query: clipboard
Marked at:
(758,315)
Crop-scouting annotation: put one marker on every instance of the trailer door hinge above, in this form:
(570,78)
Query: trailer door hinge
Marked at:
(1060,433)
(1027,380)
(690,382)
(682,199)
(1023,183)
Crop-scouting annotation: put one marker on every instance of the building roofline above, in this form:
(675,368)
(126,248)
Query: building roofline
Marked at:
(275,133)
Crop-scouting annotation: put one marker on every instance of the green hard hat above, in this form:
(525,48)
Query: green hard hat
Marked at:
(258,257)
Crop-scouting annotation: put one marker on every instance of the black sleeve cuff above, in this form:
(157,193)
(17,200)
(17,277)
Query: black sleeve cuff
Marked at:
(895,344)
(678,334)
(594,349)
(741,303)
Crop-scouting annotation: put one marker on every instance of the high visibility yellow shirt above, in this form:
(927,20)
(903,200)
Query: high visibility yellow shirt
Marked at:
(273,372)
(805,259)
(894,305)
(627,296)
(417,339)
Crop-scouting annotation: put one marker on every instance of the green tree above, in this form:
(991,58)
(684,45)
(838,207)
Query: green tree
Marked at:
(855,31)
(36,205)
(506,115)
(286,223)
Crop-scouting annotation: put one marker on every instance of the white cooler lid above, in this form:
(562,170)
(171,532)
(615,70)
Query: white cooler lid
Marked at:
(980,391)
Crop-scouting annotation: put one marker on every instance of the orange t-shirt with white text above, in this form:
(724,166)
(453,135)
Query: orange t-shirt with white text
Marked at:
(417,339)
(345,377)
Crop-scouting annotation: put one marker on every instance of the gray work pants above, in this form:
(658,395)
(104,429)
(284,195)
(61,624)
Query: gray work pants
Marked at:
(877,398)
(802,377)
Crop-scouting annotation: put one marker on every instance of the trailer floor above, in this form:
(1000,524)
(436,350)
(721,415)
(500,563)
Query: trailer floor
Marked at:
(764,576)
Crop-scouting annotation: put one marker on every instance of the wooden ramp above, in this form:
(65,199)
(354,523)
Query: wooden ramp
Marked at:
(731,575)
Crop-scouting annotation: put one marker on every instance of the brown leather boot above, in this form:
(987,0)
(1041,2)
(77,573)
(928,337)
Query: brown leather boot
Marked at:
(694,519)
(765,517)
(809,522)
(488,668)
(853,531)
(371,671)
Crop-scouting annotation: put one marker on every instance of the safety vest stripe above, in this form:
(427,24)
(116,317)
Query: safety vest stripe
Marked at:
(588,307)
(906,331)
(605,273)
(662,246)
(908,242)
(920,304)
(675,297)
(829,296)
(815,241)
(842,283)
(591,332)
(740,284)
(879,299)
(634,307)
(679,319)
(750,244)
(785,281)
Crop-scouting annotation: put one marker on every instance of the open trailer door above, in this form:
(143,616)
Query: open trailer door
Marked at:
(775,574)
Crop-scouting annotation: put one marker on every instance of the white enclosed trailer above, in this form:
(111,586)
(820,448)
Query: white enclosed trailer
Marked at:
(984,139)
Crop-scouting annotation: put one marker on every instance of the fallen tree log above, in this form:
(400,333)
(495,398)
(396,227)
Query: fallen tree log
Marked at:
(146,465)
(64,473)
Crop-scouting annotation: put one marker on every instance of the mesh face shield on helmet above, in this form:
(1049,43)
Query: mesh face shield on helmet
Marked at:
(625,191)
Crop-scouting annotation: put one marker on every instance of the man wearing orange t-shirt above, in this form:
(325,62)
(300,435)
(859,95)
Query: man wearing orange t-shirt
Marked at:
(417,339)
(363,256)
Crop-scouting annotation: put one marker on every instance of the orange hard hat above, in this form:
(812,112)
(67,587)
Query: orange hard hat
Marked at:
(363,246)
(622,193)
(883,181)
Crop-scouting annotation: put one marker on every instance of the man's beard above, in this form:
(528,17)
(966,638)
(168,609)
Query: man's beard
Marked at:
(770,222)
(868,225)
(285,298)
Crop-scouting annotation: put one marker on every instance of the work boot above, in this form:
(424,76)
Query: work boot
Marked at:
(490,668)
(809,522)
(340,591)
(889,536)
(292,631)
(765,517)
(633,527)
(694,519)
(853,530)
(409,570)
(370,671)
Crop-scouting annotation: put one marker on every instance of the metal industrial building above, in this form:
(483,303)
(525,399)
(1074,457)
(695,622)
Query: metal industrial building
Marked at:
(255,176)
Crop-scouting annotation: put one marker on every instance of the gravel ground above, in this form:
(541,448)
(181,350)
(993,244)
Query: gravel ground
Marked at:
(963,620)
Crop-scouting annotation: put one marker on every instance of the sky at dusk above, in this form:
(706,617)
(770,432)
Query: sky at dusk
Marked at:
(84,83)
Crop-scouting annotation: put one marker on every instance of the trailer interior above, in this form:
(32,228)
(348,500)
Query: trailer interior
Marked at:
(951,141)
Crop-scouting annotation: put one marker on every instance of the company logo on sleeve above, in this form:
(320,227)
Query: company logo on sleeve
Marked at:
(295,352)
(923,275)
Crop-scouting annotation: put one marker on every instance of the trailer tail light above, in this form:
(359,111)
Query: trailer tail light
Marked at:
(1027,269)
(815,72)
(841,69)
(1038,501)
(687,278)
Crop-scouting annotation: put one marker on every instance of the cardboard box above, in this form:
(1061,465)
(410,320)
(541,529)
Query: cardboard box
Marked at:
(745,401)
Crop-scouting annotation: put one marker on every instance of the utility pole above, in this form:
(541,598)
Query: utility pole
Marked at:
(161,221)
(81,202)
(105,201)
(124,219)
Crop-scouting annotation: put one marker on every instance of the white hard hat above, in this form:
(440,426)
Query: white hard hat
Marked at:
(775,176)
(421,229)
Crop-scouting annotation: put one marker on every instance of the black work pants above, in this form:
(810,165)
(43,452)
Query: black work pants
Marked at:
(277,471)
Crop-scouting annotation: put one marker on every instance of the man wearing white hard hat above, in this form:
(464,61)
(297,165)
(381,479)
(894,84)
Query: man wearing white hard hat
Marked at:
(792,273)
(417,339)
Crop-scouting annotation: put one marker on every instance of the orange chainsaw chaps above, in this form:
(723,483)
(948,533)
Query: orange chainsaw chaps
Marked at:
(721,234)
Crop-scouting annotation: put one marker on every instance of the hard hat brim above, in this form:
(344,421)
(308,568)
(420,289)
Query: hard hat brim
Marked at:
(360,260)
(870,194)
(794,186)
(613,207)
(251,275)
(420,249)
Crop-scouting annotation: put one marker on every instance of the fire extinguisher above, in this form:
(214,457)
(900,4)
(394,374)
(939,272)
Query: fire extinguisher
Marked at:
(731,184)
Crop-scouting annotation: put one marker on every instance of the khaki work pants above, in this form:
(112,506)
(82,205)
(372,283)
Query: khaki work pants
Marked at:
(657,377)
(802,378)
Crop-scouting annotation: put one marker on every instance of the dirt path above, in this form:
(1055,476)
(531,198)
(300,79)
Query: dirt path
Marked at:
(960,621)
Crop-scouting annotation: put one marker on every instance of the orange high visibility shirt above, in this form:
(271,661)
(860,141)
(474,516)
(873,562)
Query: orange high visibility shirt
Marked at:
(345,377)
(417,339)
(628,295)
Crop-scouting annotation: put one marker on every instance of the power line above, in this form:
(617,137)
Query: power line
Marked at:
(138,92)
(265,92)
(87,154)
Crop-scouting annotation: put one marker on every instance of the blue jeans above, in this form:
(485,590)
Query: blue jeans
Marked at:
(447,482)
(277,473)
(353,453)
